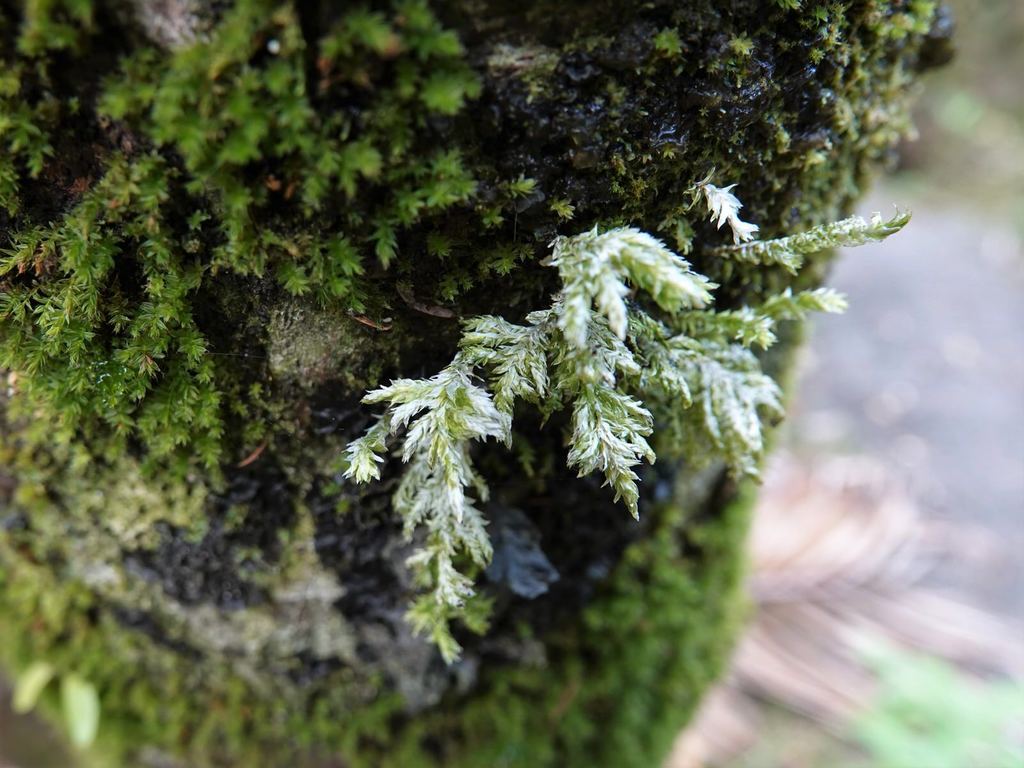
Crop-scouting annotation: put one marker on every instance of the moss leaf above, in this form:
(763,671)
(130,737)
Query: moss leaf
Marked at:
(30,686)
(81,705)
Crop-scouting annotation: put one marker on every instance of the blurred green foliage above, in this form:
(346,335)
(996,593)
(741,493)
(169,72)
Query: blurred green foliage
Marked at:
(928,713)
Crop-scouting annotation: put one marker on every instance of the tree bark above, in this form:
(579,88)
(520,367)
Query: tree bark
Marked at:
(249,610)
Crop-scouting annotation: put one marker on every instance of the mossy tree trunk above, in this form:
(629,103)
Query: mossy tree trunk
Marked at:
(222,224)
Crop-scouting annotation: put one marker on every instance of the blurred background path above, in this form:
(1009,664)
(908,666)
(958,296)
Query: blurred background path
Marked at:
(926,370)
(925,373)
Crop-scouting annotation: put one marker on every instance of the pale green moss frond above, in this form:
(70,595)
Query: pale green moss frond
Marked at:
(797,306)
(612,365)
(724,208)
(440,416)
(609,431)
(363,454)
(745,325)
(663,363)
(752,326)
(789,252)
(733,397)
(516,355)
(609,426)
(595,269)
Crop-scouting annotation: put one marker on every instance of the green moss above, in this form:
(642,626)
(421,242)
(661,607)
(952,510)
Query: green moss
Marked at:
(99,359)
(207,255)
(52,25)
(614,688)
(862,111)
(532,64)
(261,170)
(309,345)
(623,698)
(667,42)
(24,144)
(109,364)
